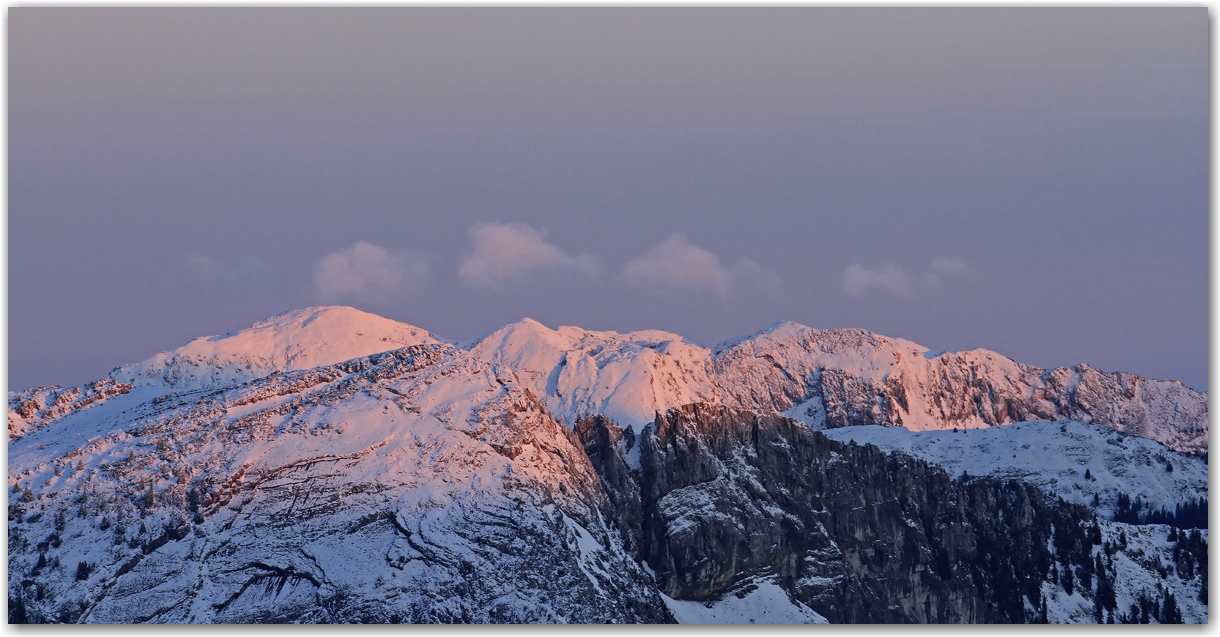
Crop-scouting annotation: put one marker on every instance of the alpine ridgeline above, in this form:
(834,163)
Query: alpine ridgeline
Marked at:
(329,465)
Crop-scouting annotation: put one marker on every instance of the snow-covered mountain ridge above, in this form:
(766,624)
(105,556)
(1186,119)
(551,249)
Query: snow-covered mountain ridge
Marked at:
(826,378)
(443,481)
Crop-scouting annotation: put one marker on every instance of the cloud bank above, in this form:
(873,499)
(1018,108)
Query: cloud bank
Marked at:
(366,271)
(508,251)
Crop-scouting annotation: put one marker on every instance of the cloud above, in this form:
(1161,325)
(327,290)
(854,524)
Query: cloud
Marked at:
(676,263)
(949,267)
(506,251)
(750,274)
(941,270)
(366,271)
(858,280)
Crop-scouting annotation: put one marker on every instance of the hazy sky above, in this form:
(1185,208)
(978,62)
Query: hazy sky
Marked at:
(1032,181)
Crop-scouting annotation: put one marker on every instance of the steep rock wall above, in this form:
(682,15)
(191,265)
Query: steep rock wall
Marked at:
(857,535)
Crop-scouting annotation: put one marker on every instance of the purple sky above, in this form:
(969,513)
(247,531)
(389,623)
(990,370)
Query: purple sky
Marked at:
(1028,181)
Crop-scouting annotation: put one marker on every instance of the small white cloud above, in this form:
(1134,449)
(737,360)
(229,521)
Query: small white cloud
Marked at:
(366,271)
(941,270)
(750,274)
(949,267)
(506,251)
(857,279)
(676,263)
(203,266)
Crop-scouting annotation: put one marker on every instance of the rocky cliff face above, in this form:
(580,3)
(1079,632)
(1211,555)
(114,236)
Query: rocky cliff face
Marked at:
(728,496)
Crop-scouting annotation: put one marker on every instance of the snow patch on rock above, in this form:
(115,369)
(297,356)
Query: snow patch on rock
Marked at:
(756,602)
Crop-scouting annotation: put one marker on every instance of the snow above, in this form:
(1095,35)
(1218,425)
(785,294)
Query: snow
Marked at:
(279,422)
(630,377)
(895,382)
(37,407)
(758,602)
(625,377)
(1053,456)
(632,457)
(1146,544)
(589,552)
(80,429)
(747,369)
(297,340)
(1150,543)
(437,444)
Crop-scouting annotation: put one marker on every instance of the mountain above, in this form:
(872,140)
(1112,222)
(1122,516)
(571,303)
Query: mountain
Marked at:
(328,465)
(838,378)
(827,378)
(292,341)
(832,378)
(371,490)
(625,377)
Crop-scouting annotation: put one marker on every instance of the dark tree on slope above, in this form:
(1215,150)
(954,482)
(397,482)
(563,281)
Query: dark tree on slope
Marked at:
(1104,599)
(1160,607)
(1186,515)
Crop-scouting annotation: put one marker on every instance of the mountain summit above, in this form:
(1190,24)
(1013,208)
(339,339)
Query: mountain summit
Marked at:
(296,340)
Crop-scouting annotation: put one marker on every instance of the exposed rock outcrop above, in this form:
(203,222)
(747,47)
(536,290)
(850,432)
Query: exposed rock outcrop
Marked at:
(35,408)
(857,535)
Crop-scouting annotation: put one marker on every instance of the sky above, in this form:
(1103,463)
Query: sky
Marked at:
(1030,181)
